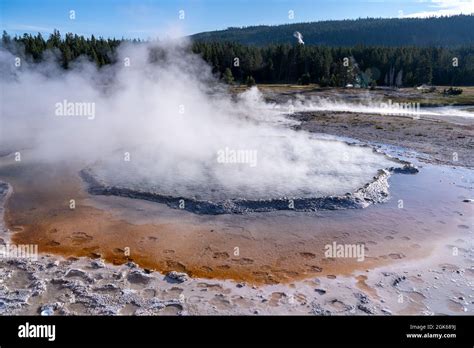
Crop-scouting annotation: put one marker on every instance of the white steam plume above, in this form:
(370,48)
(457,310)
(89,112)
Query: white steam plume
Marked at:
(174,120)
(299,37)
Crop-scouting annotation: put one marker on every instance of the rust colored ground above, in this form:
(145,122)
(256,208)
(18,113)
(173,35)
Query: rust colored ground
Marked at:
(268,250)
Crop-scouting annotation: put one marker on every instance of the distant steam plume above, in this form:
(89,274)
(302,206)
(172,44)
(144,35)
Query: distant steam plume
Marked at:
(299,37)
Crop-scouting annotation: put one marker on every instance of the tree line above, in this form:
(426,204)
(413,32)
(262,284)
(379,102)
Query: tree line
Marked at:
(339,66)
(35,48)
(280,63)
(452,31)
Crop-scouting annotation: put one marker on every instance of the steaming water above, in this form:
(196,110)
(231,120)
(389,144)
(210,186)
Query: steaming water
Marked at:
(320,104)
(315,172)
(163,126)
(456,111)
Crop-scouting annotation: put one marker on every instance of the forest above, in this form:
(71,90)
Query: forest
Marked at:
(365,66)
(452,31)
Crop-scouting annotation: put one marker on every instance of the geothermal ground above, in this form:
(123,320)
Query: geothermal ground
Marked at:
(114,254)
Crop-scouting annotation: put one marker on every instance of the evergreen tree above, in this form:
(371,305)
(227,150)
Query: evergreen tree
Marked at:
(305,79)
(250,81)
(228,77)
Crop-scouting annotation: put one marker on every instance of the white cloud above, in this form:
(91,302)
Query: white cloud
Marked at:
(445,8)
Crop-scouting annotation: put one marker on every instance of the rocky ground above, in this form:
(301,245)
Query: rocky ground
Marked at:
(438,141)
(53,285)
(279,93)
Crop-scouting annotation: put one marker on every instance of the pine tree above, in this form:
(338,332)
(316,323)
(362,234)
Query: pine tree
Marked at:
(228,77)
(305,79)
(6,39)
(250,81)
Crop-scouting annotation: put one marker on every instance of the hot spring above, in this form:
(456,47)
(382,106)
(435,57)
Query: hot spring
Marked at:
(285,170)
(169,131)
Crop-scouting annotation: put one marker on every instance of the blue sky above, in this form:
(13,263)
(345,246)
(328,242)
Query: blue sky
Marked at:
(152,18)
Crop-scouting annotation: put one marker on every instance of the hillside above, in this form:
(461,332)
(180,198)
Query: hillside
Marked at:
(442,31)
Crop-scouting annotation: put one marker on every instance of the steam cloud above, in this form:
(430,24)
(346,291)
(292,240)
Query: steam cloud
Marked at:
(172,118)
(299,37)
